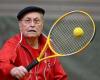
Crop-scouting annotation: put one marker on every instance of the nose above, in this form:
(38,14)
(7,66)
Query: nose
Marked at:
(32,24)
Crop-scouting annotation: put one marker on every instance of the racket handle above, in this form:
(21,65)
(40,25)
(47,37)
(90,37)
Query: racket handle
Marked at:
(32,64)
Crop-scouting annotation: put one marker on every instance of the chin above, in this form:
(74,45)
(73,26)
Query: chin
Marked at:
(33,36)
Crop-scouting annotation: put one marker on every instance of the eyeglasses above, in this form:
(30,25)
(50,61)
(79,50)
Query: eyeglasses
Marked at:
(28,21)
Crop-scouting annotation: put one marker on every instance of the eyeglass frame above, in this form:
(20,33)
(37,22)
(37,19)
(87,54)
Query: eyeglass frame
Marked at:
(28,21)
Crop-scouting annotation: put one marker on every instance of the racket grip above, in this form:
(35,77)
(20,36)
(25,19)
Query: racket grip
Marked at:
(32,64)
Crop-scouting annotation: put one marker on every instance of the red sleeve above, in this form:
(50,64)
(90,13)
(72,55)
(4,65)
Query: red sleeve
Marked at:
(59,71)
(7,57)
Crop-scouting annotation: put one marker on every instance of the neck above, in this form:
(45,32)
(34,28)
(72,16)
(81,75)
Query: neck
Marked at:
(33,42)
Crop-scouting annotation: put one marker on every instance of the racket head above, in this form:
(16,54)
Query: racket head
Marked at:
(61,40)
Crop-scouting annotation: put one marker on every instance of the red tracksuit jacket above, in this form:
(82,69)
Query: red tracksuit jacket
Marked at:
(14,54)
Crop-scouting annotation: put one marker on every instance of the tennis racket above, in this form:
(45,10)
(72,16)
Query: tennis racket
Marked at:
(70,34)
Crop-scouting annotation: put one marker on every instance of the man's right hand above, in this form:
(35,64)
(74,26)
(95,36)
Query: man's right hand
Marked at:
(18,72)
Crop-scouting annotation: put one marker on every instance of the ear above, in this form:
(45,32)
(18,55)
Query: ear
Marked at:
(20,26)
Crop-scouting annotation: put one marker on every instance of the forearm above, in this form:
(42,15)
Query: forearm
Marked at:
(5,71)
(5,68)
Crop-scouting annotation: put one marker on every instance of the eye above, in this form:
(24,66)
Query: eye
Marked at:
(27,20)
(36,20)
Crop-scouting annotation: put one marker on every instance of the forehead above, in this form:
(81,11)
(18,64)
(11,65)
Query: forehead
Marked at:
(33,15)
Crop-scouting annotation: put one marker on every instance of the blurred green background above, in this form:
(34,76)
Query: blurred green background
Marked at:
(83,66)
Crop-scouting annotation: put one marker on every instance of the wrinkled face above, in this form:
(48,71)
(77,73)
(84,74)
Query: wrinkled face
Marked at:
(31,25)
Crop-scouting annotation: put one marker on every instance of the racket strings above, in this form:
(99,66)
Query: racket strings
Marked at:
(60,45)
(62,37)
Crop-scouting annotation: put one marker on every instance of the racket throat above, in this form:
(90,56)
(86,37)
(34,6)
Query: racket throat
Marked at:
(43,51)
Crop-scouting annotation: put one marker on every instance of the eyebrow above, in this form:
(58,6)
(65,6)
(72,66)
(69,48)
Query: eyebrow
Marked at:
(30,18)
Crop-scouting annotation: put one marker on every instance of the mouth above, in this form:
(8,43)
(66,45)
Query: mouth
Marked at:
(31,30)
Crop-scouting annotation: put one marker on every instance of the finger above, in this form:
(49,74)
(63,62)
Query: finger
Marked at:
(17,77)
(24,69)
(21,73)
